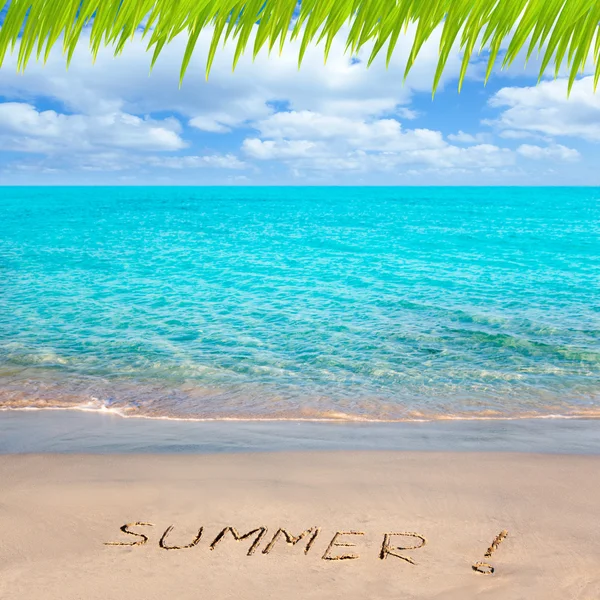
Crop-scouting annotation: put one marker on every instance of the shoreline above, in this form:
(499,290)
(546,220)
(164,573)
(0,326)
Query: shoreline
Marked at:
(592,414)
(435,513)
(74,431)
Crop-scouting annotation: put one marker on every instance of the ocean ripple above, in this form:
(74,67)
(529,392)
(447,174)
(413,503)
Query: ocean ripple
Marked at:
(316,303)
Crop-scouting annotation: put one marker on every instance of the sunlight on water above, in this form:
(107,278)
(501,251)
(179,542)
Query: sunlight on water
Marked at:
(316,303)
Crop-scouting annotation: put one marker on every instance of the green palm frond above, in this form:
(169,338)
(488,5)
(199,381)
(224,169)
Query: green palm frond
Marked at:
(563,32)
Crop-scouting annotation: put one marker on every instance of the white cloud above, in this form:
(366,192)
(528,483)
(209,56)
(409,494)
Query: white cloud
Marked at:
(309,141)
(305,124)
(24,128)
(283,149)
(407,113)
(214,161)
(553,152)
(118,161)
(113,161)
(545,109)
(511,134)
(339,116)
(340,87)
(378,135)
(105,104)
(467,138)
(477,157)
(211,124)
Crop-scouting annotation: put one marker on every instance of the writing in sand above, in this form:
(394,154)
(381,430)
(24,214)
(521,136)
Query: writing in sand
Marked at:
(394,544)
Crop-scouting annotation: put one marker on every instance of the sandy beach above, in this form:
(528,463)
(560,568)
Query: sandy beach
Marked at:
(58,512)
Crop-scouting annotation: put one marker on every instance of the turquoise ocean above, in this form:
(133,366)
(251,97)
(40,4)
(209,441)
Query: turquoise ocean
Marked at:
(301,303)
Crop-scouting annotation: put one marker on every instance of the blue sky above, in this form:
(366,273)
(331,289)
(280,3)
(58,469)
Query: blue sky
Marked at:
(269,124)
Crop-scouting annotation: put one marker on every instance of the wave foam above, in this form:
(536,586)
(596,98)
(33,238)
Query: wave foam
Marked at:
(93,407)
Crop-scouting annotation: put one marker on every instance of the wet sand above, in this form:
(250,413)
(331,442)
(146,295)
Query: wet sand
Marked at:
(78,432)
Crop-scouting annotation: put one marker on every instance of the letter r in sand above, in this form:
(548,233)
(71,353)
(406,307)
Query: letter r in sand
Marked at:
(388,549)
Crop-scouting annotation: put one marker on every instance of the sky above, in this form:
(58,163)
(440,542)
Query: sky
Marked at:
(113,122)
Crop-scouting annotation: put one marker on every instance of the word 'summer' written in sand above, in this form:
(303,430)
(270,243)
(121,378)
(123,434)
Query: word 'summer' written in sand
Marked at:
(341,546)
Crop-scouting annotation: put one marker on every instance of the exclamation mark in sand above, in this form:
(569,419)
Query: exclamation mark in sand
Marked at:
(486,568)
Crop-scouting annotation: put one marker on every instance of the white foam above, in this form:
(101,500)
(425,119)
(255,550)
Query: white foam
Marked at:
(103,409)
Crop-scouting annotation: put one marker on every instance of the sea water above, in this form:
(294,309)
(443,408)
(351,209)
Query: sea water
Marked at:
(301,303)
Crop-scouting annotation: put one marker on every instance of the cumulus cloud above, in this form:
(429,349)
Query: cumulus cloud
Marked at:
(333,117)
(545,109)
(24,128)
(120,161)
(106,106)
(341,86)
(306,140)
(283,149)
(511,134)
(212,161)
(379,135)
(467,138)
(553,152)
(109,142)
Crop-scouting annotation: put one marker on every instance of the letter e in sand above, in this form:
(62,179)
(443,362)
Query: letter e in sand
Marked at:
(335,544)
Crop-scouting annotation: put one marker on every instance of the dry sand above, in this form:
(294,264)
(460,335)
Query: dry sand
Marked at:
(57,512)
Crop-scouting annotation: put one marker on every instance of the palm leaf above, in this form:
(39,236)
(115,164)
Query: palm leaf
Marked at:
(563,32)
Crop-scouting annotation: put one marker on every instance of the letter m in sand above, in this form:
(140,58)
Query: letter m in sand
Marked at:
(260,532)
(311,533)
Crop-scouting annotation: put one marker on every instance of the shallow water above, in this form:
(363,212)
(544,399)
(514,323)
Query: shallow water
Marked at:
(314,303)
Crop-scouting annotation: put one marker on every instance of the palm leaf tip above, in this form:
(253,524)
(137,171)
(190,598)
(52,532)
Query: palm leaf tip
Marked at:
(564,32)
